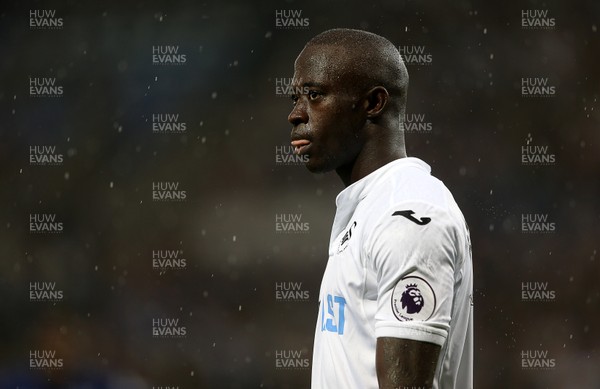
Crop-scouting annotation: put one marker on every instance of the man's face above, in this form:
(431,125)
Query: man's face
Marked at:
(328,110)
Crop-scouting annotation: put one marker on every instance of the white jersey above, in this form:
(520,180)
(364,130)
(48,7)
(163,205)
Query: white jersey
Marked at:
(399,266)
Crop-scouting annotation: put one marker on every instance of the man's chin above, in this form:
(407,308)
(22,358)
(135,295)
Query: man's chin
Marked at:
(315,166)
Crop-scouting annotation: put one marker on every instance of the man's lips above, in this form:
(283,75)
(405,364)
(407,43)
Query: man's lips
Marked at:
(300,146)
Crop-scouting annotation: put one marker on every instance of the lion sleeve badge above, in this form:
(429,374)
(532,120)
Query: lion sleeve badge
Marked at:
(413,299)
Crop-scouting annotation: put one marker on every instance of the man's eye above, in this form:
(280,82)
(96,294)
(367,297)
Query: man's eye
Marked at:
(294,99)
(312,95)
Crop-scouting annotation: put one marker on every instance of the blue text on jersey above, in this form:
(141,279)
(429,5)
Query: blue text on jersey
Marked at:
(329,324)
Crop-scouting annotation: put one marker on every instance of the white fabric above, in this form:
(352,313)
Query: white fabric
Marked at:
(376,258)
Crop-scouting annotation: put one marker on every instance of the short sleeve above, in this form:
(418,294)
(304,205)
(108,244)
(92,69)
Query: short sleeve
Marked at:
(412,251)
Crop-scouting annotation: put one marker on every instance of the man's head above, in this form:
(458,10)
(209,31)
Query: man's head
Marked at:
(351,94)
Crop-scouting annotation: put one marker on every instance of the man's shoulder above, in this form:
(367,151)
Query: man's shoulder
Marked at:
(406,185)
(410,200)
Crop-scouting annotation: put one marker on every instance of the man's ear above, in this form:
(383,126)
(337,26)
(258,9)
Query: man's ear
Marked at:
(377,99)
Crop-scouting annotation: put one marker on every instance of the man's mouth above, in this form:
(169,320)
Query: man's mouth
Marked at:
(300,146)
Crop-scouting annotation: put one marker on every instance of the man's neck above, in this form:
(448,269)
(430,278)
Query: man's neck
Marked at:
(373,156)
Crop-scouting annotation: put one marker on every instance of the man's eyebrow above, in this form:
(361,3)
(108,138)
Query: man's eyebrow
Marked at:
(313,85)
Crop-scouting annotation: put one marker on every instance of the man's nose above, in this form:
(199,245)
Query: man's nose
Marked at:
(298,114)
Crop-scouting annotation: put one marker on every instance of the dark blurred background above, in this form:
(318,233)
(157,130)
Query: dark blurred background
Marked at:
(234,330)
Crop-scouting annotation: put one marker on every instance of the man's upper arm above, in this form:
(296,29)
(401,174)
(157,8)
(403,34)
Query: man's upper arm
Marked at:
(405,363)
(412,251)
